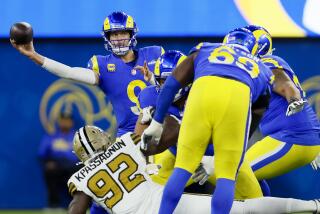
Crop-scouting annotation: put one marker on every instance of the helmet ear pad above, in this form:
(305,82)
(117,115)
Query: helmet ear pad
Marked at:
(264,40)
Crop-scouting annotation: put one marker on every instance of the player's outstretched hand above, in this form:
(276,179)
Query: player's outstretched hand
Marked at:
(152,133)
(316,163)
(204,171)
(295,106)
(200,175)
(147,74)
(152,169)
(25,49)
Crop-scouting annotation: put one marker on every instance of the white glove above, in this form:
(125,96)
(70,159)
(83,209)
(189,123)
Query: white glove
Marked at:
(204,171)
(152,133)
(316,163)
(152,169)
(147,113)
(295,106)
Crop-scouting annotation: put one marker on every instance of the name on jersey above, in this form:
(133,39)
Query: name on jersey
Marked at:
(97,161)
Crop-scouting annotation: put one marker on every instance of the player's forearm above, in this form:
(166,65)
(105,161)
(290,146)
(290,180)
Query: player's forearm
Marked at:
(290,92)
(84,75)
(169,136)
(79,203)
(37,58)
(284,86)
(166,97)
(76,208)
(139,128)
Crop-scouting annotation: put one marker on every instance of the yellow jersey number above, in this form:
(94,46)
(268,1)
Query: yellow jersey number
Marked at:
(226,55)
(132,96)
(101,183)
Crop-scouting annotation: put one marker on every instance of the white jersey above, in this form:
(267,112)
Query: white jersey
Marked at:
(116,179)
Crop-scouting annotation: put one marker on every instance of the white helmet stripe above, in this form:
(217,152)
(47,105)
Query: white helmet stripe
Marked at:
(87,138)
(87,152)
(85,142)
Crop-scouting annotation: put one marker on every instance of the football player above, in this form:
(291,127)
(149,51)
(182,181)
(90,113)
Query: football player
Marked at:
(116,73)
(114,175)
(290,140)
(239,78)
(218,72)
(147,100)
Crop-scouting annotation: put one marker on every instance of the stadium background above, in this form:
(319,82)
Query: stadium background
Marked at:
(69,31)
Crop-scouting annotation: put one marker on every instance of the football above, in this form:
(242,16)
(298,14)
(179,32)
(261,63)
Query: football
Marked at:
(21,33)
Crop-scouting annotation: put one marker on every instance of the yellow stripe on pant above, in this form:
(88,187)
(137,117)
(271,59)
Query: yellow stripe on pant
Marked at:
(217,110)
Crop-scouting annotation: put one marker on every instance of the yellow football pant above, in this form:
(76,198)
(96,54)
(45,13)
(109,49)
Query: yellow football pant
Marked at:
(217,109)
(270,157)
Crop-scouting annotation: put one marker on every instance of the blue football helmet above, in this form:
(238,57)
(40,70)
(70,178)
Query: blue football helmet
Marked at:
(119,21)
(164,66)
(263,38)
(242,37)
(166,63)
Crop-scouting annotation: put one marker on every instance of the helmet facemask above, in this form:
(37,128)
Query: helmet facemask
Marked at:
(113,45)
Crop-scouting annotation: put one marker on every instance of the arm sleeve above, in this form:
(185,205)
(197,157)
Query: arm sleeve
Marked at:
(166,97)
(71,188)
(84,75)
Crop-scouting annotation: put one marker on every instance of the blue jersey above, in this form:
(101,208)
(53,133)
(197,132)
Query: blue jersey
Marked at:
(122,84)
(148,97)
(301,128)
(232,62)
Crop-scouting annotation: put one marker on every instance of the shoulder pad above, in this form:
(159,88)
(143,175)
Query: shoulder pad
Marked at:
(93,63)
(72,188)
(275,62)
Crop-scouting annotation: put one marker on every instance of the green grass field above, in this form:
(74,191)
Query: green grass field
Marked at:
(47,211)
